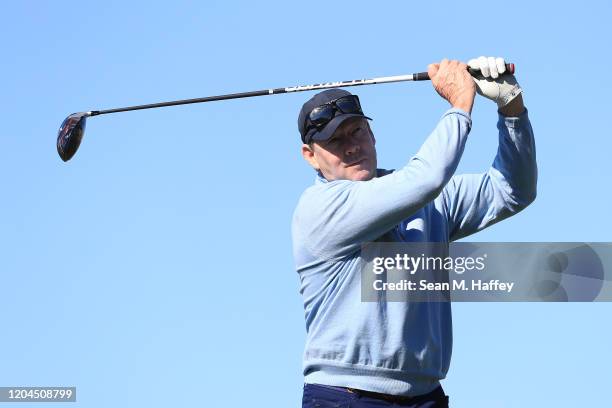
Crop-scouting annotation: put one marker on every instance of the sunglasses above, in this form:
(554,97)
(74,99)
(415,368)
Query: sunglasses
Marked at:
(323,114)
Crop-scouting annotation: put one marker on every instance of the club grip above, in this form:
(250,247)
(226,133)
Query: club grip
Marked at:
(424,76)
(509,70)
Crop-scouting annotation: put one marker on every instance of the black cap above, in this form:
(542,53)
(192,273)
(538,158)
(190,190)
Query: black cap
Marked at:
(328,130)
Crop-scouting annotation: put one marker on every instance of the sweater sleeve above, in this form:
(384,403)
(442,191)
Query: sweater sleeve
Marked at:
(476,201)
(333,219)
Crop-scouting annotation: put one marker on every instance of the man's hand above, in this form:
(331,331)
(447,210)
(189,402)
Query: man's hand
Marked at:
(495,84)
(454,83)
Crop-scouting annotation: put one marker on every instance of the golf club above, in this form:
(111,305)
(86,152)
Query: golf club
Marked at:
(73,127)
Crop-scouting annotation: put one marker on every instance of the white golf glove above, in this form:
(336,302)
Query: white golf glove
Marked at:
(493,83)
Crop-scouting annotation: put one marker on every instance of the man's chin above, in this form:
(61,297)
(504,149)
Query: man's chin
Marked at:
(361,171)
(362,174)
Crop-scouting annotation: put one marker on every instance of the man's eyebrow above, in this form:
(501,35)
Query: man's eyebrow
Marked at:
(338,135)
(358,127)
(335,136)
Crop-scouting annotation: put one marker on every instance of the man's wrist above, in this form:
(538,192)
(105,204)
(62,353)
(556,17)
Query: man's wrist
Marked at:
(514,108)
(464,101)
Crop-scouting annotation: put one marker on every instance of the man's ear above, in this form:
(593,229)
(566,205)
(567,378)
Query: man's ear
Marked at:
(309,156)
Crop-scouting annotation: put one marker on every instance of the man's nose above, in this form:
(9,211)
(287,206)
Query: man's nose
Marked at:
(352,148)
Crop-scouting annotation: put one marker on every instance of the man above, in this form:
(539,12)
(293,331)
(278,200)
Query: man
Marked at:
(366,354)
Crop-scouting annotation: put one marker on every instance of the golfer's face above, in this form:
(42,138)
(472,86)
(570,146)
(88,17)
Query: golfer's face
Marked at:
(349,154)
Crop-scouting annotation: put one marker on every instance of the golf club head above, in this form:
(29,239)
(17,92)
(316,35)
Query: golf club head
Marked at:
(70,135)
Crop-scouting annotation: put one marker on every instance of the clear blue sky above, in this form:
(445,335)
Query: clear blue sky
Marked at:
(155,268)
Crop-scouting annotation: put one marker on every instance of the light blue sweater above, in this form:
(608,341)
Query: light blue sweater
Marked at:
(393,347)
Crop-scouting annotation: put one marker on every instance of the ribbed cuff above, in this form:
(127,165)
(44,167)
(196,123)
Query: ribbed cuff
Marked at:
(513,121)
(460,112)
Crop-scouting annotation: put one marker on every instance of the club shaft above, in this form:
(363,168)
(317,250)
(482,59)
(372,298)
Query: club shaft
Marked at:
(272,91)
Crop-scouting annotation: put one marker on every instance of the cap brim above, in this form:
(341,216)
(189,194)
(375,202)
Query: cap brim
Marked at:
(334,124)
